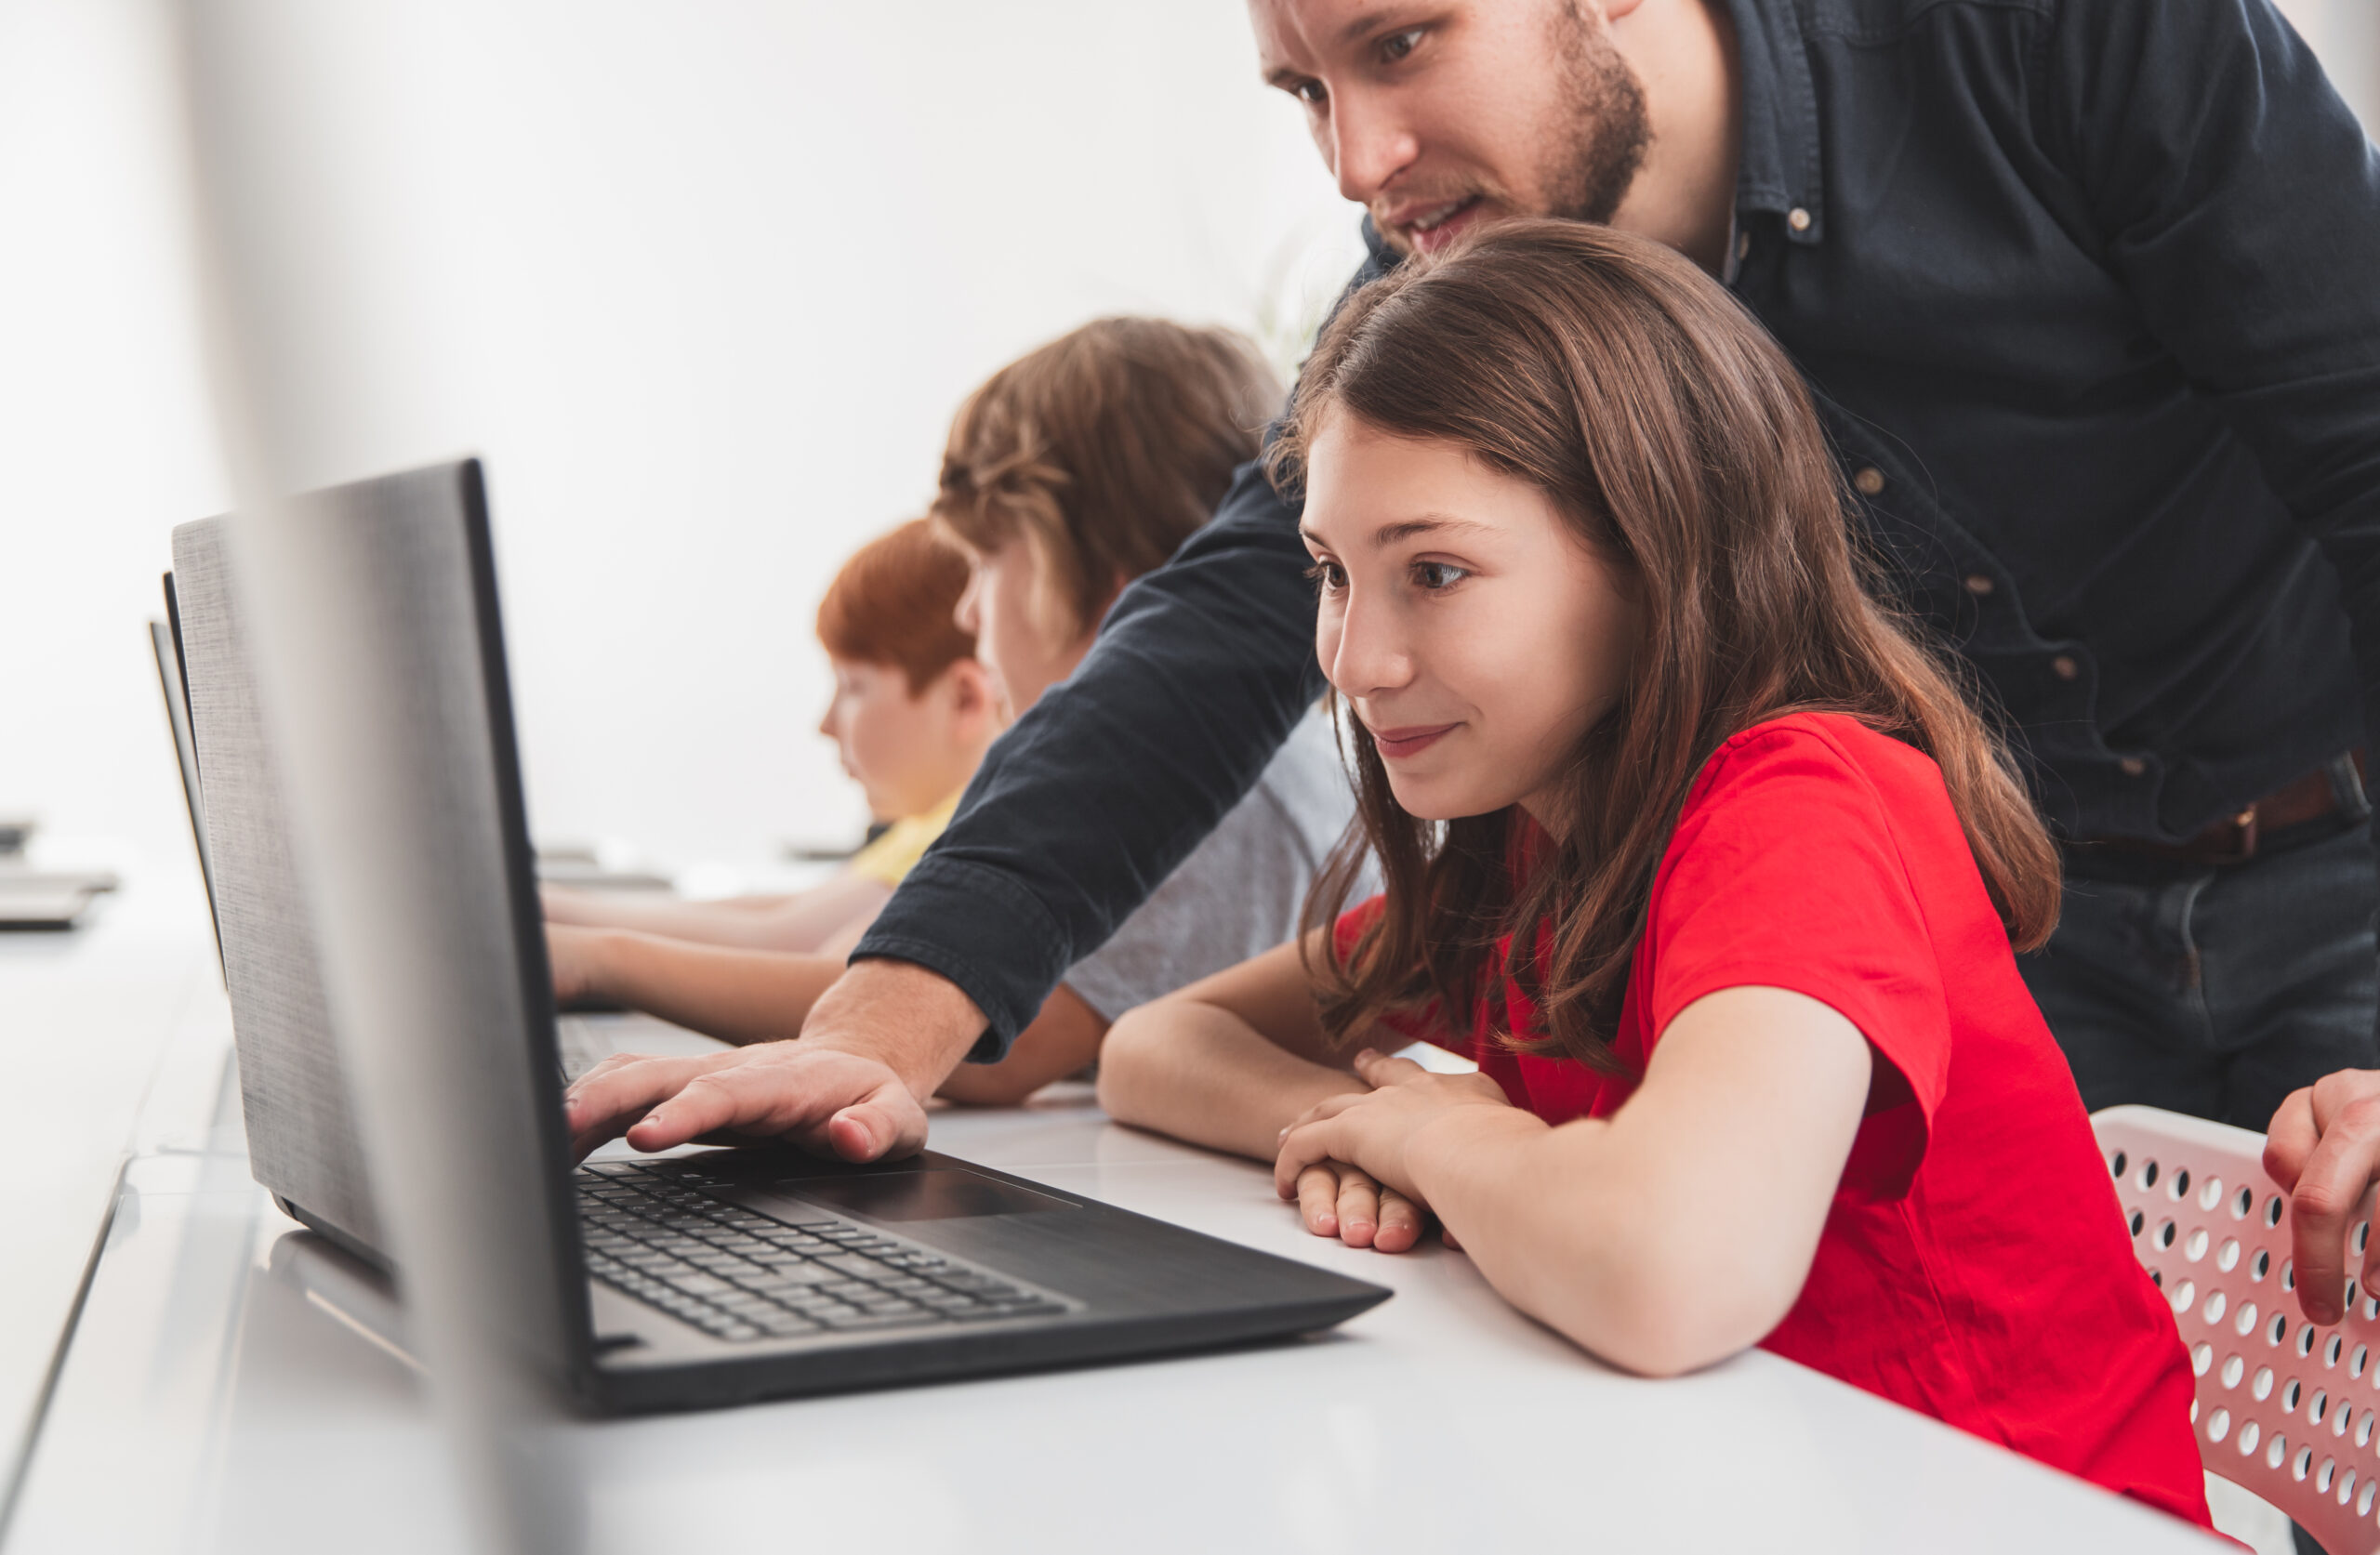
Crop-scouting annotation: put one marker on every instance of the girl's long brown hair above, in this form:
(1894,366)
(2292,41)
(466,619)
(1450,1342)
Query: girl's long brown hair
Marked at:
(1676,439)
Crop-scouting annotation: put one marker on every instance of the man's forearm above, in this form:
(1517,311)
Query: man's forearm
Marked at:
(915,1022)
(1089,801)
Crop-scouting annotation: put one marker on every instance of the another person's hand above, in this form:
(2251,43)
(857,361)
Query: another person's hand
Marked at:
(828,1101)
(1347,1155)
(2324,1147)
(879,1039)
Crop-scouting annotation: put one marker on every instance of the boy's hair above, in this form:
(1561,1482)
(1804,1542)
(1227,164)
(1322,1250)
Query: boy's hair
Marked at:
(1103,450)
(1675,439)
(893,603)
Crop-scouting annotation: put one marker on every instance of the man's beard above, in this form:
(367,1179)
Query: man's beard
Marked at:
(1610,130)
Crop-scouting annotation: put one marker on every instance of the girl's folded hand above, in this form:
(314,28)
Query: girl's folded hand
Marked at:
(1344,1160)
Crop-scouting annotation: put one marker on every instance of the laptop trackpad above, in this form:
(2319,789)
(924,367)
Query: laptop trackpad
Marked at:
(937,1193)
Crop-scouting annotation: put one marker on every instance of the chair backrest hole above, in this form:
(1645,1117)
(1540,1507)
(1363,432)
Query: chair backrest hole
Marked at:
(2210,1193)
(2227,1258)
(2262,1386)
(2289,1394)
(2241,1202)
(2272,1212)
(2179,1185)
(2234,1368)
(2195,1249)
(2261,1265)
(2244,1322)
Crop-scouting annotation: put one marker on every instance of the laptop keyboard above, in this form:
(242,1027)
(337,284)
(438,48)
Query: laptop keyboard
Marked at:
(740,1274)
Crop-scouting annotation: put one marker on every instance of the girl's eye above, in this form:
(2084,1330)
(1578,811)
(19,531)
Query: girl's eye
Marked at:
(1435,575)
(1309,93)
(1329,576)
(1396,45)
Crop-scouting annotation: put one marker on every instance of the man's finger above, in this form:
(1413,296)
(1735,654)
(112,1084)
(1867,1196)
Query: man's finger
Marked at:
(889,1124)
(616,1095)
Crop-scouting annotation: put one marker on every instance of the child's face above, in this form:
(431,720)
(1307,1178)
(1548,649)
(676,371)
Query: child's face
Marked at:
(908,753)
(1476,636)
(1024,655)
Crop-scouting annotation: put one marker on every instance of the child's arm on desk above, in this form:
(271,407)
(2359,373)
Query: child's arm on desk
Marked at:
(1669,1236)
(736,995)
(802,922)
(1230,1062)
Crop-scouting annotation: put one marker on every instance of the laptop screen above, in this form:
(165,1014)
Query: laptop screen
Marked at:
(436,984)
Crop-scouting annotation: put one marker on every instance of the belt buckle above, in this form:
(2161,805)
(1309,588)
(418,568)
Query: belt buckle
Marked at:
(2244,831)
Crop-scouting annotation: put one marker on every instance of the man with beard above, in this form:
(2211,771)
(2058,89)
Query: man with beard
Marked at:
(2084,290)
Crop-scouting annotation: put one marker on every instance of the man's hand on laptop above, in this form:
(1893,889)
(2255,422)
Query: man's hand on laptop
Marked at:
(851,1086)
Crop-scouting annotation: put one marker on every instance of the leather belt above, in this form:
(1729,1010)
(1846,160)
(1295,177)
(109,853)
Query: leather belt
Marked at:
(2234,840)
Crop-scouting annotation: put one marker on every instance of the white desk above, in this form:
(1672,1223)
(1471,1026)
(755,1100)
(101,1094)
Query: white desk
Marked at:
(206,1403)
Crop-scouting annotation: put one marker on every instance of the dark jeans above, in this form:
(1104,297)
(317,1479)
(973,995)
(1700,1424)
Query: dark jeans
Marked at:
(2217,991)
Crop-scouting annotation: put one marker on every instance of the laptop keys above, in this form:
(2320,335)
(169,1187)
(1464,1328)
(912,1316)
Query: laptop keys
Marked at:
(742,1275)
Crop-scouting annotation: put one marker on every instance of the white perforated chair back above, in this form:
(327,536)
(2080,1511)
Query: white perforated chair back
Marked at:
(2285,1409)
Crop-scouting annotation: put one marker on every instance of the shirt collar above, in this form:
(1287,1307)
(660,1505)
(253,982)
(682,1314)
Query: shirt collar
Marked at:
(1778,168)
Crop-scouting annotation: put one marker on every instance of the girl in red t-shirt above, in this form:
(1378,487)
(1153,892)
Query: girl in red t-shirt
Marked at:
(1700,857)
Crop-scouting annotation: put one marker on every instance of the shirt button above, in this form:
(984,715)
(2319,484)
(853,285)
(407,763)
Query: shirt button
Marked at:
(1798,220)
(1979,585)
(2064,666)
(1869,481)
(2133,766)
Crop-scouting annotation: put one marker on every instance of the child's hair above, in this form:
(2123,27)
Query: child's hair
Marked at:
(893,604)
(1104,450)
(1675,438)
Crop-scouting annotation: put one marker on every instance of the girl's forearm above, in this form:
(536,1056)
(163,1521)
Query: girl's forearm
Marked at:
(736,995)
(1555,1224)
(1201,1074)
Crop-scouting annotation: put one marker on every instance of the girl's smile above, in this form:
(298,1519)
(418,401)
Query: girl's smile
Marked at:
(1399,744)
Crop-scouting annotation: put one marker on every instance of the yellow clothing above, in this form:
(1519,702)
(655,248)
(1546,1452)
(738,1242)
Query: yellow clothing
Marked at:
(903,842)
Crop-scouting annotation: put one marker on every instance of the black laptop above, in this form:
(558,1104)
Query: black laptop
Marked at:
(686,1281)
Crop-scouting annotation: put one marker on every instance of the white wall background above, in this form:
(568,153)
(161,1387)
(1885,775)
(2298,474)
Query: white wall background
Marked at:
(702,280)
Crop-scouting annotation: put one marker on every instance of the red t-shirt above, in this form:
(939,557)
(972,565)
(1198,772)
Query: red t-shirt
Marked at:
(1975,1265)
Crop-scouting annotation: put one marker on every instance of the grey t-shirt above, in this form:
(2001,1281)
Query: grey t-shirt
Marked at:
(1239,891)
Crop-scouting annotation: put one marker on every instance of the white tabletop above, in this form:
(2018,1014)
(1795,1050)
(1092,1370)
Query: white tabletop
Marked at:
(209,1402)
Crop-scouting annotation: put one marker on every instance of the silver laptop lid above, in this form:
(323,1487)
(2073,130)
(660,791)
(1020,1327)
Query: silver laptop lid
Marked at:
(405,567)
(303,1142)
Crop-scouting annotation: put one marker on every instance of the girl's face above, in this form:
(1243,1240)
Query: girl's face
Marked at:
(909,752)
(1475,636)
(1002,608)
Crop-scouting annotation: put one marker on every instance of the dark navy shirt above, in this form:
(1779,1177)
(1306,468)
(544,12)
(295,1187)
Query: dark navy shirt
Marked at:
(2089,294)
